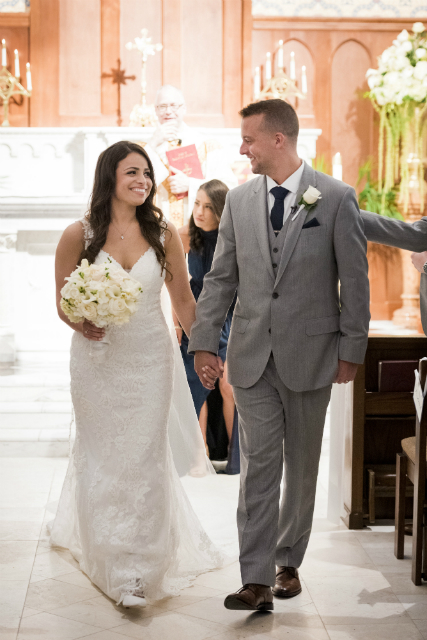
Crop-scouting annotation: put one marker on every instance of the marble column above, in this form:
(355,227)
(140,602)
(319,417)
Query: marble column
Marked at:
(7,334)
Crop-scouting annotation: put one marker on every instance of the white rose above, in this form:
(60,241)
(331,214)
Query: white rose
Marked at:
(403,35)
(420,71)
(311,195)
(406,46)
(418,27)
(420,53)
(88,310)
(116,306)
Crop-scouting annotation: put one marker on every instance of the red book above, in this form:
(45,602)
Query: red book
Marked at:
(185,159)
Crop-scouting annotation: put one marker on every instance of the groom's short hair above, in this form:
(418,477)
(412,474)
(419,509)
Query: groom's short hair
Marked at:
(279,116)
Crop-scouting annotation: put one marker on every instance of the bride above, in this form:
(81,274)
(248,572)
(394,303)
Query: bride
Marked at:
(123,512)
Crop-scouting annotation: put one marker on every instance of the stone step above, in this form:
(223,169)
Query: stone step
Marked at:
(35,420)
(34,435)
(55,380)
(35,407)
(34,394)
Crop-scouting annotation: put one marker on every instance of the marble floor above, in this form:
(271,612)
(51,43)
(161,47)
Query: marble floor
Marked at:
(353,587)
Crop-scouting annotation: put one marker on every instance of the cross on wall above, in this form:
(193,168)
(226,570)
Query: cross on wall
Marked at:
(118,77)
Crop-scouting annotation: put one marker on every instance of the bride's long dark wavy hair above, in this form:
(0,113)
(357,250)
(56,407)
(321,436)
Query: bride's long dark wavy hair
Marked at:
(150,217)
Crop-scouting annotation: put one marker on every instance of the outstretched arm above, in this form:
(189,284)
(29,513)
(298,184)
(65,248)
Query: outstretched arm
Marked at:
(395,233)
(350,253)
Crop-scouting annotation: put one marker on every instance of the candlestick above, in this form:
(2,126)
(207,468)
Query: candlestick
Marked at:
(292,73)
(17,69)
(268,67)
(337,166)
(304,88)
(280,62)
(257,83)
(29,83)
(3,53)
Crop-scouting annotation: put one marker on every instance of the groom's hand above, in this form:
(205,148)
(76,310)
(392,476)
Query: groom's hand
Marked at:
(346,372)
(208,367)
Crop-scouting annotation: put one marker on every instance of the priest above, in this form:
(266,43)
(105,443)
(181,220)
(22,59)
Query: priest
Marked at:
(172,133)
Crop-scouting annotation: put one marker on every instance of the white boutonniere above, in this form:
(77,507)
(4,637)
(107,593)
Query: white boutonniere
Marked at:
(308,200)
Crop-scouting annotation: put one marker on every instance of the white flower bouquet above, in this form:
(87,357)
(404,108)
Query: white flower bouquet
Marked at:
(402,69)
(104,294)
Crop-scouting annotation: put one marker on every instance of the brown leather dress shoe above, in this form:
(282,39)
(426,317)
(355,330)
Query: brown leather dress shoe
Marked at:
(287,583)
(251,597)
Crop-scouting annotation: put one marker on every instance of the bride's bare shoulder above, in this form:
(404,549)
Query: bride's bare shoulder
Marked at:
(73,235)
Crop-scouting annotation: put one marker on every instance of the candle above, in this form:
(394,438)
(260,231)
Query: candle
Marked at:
(337,166)
(3,53)
(257,83)
(17,70)
(304,80)
(292,73)
(29,84)
(268,67)
(280,55)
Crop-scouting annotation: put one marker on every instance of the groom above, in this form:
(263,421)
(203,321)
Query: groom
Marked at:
(294,332)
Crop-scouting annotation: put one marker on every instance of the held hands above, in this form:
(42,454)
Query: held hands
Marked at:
(91,332)
(179,182)
(419,260)
(346,372)
(208,367)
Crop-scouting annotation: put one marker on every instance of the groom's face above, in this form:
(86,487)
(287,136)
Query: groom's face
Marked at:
(258,144)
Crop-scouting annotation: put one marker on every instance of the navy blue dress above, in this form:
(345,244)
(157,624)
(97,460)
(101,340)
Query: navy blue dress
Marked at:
(199,264)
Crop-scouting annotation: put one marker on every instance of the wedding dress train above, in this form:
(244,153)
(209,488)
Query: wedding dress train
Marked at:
(123,512)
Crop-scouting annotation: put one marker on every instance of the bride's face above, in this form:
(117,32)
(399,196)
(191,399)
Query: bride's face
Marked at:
(133,180)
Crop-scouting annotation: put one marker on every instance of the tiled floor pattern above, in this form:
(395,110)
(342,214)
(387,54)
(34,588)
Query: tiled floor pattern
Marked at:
(353,587)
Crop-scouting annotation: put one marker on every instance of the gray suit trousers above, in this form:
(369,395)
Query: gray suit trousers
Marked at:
(280,430)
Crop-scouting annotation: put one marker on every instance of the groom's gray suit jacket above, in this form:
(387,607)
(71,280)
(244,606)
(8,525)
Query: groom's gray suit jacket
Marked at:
(300,315)
(396,233)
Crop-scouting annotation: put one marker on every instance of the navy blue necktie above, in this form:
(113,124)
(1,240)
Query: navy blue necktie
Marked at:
(278,210)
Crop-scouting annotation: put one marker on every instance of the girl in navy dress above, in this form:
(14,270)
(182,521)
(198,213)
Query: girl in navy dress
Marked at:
(199,238)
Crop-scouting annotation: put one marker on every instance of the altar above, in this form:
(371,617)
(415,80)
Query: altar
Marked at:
(46,177)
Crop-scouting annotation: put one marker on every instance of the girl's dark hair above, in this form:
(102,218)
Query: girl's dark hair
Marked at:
(216,192)
(150,217)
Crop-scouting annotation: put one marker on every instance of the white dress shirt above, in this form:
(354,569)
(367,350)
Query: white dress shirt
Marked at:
(292,184)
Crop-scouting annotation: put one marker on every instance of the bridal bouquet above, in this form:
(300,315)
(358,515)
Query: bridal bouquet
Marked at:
(104,294)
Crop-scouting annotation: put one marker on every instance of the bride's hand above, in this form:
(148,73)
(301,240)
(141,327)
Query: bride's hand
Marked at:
(91,332)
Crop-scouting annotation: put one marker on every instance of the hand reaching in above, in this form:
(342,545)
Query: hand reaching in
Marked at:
(208,367)
(419,260)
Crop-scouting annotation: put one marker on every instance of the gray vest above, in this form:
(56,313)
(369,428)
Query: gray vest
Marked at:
(277,242)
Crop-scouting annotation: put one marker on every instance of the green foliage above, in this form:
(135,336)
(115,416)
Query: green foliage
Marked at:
(372,199)
(321,164)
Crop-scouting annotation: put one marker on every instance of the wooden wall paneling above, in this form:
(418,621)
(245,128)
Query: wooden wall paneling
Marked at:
(79,58)
(202,61)
(44,58)
(14,28)
(171,22)
(247,89)
(351,113)
(233,61)
(110,52)
(134,16)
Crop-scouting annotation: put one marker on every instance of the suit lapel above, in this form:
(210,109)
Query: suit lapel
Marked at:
(308,178)
(258,215)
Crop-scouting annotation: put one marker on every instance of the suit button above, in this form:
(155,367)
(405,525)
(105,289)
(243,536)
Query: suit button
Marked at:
(275,295)
(274,265)
(275,250)
(269,331)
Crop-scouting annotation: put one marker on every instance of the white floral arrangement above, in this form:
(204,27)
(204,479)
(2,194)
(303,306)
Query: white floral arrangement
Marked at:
(143,115)
(402,69)
(104,294)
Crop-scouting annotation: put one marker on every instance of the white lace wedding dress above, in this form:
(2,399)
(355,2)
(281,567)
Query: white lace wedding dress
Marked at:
(123,512)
